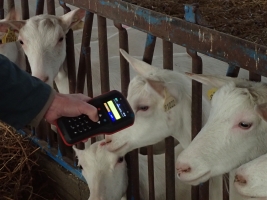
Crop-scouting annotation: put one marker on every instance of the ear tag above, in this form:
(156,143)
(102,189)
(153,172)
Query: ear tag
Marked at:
(211,92)
(10,36)
(169,101)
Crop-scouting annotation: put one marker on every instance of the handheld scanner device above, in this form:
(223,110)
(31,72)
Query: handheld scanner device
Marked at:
(114,113)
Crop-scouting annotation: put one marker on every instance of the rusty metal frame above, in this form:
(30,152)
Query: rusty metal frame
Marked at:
(237,52)
(228,48)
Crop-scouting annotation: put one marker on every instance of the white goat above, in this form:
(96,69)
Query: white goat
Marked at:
(251,178)
(102,169)
(234,134)
(13,50)
(146,96)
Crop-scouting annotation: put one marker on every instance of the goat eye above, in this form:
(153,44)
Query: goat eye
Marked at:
(60,39)
(143,108)
(120,160)
(21,42)
(244,125)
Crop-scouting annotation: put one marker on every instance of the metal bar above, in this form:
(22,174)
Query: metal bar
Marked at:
(86,38)
(232,71)
(196,107)
(150,166)
(2,12)
(148,57)
(10,4)
(25,9)
(70,56)
(89,72)
(149,49)
(132,157)
(226,187)
(124,65)
(61,146)
(87,58)
(254,77)
(103,53)
(39,7)
(228,48)
(133,170)
(39,130)
(192,15)
(169,142)
(51,7)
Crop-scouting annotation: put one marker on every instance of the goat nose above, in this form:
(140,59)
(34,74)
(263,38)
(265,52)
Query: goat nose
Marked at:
(182,168)
(240,179)
(44,78)
(108,139)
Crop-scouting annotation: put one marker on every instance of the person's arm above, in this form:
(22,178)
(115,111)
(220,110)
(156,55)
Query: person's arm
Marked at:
(26,100)
(22,96)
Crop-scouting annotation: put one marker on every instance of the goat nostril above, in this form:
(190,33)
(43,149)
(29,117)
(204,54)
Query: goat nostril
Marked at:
(240,180)
(183,168)
(108,140)
(46,79)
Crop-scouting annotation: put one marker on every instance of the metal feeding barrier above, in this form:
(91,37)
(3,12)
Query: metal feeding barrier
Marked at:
(190,33)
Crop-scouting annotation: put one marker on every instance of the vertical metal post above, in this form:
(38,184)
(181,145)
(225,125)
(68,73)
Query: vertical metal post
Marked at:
(2,14)
(103,53)
(232,71)
(196,122)
(10,4)
(25,9)
(70,56)
(254,77)
(124,65)
(169,142)
(131,157)
(148,57)
(39,7)
(192,15)
(85,48)
(149,48)
(51,7)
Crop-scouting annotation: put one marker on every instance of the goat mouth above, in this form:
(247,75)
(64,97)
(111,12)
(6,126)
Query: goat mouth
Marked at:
(198,180)
(249,196)
(118,148)
(252,197)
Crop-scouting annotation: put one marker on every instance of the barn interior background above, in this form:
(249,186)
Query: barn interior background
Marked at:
(246,19)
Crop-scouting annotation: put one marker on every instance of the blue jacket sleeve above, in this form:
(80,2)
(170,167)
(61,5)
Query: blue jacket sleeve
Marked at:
(22,96)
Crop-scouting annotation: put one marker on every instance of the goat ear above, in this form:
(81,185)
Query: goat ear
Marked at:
(142,68)
(158,86)
(13,25)
(12,15)
(213,80)
(262,111)
(72,18)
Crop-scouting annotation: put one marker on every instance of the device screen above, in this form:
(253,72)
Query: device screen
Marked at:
(115,109)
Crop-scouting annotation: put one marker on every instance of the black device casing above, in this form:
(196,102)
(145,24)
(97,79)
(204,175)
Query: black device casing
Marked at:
(67,126)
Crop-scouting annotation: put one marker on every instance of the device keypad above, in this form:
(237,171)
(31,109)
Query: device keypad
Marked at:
(82,124)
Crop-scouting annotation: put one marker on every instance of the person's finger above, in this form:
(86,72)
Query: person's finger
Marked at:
(82,97)
(90,111)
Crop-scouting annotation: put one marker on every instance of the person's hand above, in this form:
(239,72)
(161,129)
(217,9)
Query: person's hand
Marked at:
(70,105)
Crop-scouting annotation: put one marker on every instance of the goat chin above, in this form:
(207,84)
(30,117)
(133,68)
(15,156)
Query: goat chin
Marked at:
(99,173)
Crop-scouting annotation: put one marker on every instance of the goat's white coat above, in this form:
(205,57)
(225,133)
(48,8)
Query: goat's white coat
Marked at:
(176,122)
(255,174)
(107,179)
(222,145)
(181,62)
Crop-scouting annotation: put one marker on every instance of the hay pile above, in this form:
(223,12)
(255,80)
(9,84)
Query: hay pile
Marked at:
(246,19)
(20,177)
